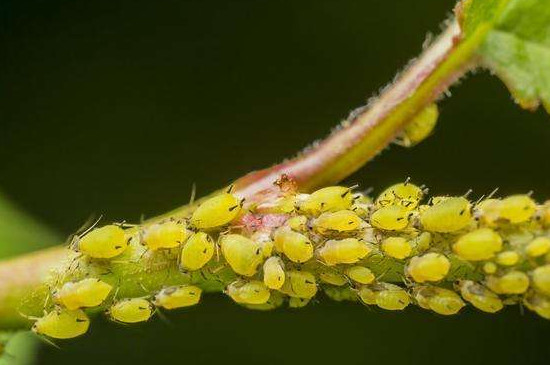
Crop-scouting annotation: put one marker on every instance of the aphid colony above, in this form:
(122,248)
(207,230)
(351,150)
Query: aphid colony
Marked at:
(396,250)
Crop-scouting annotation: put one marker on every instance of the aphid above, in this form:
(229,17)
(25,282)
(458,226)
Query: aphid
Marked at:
(360,274)
(84,293)
(274,274)
(131,310)
(296,246)
(62,324)
(479,296)
(478,245)
(332,277)
(103,243)
(386,296)
(390,218)
(295,302)
(439,300)
(538,247)
(298,223)
(489,267)
(275,300)
(420,127)
(396,247)
(448,215)
(241,253)
(329,199)
(517,208)
(341,293)
(300,284)
(197,251)
(405,194)
(248,292)
(178,296)
(541,279)
(539,304)
(421,242)
(488,211)
(216,211)
(341,221)
(507,258)
(513,282)
(344,251)
(543,215)
(168,234)
(429,267)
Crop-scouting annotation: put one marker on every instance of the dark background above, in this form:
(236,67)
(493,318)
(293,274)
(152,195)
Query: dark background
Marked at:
(118,107)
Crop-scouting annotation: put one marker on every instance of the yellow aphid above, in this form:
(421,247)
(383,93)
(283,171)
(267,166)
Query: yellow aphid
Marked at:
(479,296)
(396,247)
(103,243)
(274,274)
(508,258)
(447,215)
(390,218)
(341,221)
(169,234)
(62,324)
(298,223)
(489,267)
(329,199)
(334,278)
(341,293)
(241,253)
(539,304)
(84,293)
(367,295)
(421,242)
(295,302)
(439,300)
(420,127)
(517,208)
(543,215)
(296,246)
(282,205)
(216,211)
(513,282)
(429,267)
(344,251)
(538,247)
(541,279)
(478,245)
(406,195)
(360,274)
(248,292)
(131,310)
(300,284)
(275,300)
(197,251)
(392,297)
(181,296)
(488,211)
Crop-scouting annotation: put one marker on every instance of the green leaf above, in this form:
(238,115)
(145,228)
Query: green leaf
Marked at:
(516,45)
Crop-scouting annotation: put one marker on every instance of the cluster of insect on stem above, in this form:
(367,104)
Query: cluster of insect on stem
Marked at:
(398,249)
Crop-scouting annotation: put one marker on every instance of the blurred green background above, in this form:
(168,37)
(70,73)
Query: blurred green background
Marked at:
(118,107)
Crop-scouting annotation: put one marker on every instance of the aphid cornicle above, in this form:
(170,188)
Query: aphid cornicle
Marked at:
(62,324)
(300,284)
(340,221)
(248,292)
(168,234)
(446,215)
(479,296)
(89,292)
(241,253)
(478,245)
(216,211)
(296,246)
(439,300)
(329,199)
(513,282)
(181,296)
(405,194)
(197,251)
(360,274)
(396,247)
(420,127)
(517,208)
(429,267)
(274,274)
(131,310)
(344,251)
(390,218)
(103,243)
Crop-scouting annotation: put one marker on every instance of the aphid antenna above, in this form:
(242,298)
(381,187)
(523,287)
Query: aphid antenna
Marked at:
(86,231)
(193,193)
(492,193)
(407,180)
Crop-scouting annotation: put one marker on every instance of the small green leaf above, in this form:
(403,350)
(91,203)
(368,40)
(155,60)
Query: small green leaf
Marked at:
(516,45)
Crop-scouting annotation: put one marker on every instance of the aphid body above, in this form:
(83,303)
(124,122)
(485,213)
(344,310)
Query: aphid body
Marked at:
(429,267)
(329,199)
(344,251)
(447,215)
(216,211)
(439,300)
(340,221)
(178,296)
(396,247)
(197,251)
(480,244)
(274,274)
(248,292)
(296,246)
(420,127)
(360,274)
(390,218)
(241,253)
(62,324)
(168,234)
(103,243)
(300,284)
(406,195)
(131,310)
(479,296)
(89,292)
